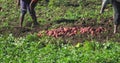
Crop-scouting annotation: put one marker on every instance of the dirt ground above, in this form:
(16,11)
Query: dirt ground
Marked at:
(101,37)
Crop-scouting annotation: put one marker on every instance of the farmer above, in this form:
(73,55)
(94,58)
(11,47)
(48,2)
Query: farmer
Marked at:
(27,5)
(116,8)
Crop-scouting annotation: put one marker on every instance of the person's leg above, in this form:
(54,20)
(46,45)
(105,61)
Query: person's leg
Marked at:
(116,16)
(115,21)
(22,18)
(33,13)
(23,11)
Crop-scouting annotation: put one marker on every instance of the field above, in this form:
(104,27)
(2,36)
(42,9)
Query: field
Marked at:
(44,43)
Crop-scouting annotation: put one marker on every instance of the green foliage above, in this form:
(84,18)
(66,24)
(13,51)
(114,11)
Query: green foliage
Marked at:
(53,10)
(48,50)
(31,49)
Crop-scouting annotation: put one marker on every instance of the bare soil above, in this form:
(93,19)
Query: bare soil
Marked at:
(103,36)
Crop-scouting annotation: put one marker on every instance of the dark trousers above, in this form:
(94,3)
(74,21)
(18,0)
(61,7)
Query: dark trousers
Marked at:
(116,7)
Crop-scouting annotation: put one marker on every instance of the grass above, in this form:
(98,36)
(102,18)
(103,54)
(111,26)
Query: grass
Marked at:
(48,50)
(32,49)
(53,12)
